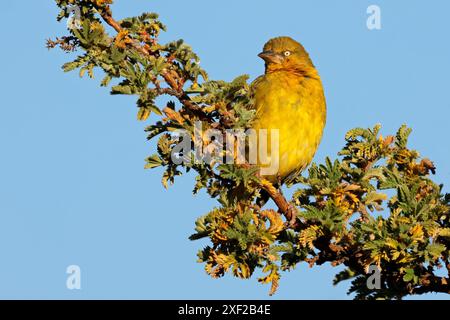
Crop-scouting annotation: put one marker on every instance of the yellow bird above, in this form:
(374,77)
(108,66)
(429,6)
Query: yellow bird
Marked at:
(289,97)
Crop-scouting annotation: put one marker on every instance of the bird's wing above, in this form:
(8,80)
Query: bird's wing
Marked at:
(254,85)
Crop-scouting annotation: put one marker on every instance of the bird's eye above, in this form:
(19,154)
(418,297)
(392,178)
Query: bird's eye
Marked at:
(287,53)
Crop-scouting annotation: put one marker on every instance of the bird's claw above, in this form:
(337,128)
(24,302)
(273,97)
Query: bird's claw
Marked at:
(292,212)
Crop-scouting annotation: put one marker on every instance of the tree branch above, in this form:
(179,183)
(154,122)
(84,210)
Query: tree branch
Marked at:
(172,79)
(285,208)
(431,283)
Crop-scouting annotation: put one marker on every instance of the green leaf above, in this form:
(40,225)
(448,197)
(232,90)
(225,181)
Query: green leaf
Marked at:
(435,249)
(153,162)
(409,275)
(121,89)
(143,114)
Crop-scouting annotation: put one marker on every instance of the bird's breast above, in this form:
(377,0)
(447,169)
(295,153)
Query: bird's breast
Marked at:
(295,107)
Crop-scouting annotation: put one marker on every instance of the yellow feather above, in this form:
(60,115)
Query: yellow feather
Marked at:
(290,98)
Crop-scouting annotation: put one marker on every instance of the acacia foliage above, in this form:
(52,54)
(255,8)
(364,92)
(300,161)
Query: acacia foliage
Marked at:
(375,204)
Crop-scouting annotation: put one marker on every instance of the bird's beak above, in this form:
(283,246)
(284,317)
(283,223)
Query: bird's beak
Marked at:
(271,57)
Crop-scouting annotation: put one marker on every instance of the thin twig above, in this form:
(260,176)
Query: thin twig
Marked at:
(169,77)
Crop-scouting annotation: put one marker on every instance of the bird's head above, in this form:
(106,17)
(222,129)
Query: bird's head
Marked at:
(284,53)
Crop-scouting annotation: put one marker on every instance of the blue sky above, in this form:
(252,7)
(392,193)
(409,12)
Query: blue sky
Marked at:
(72,185)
